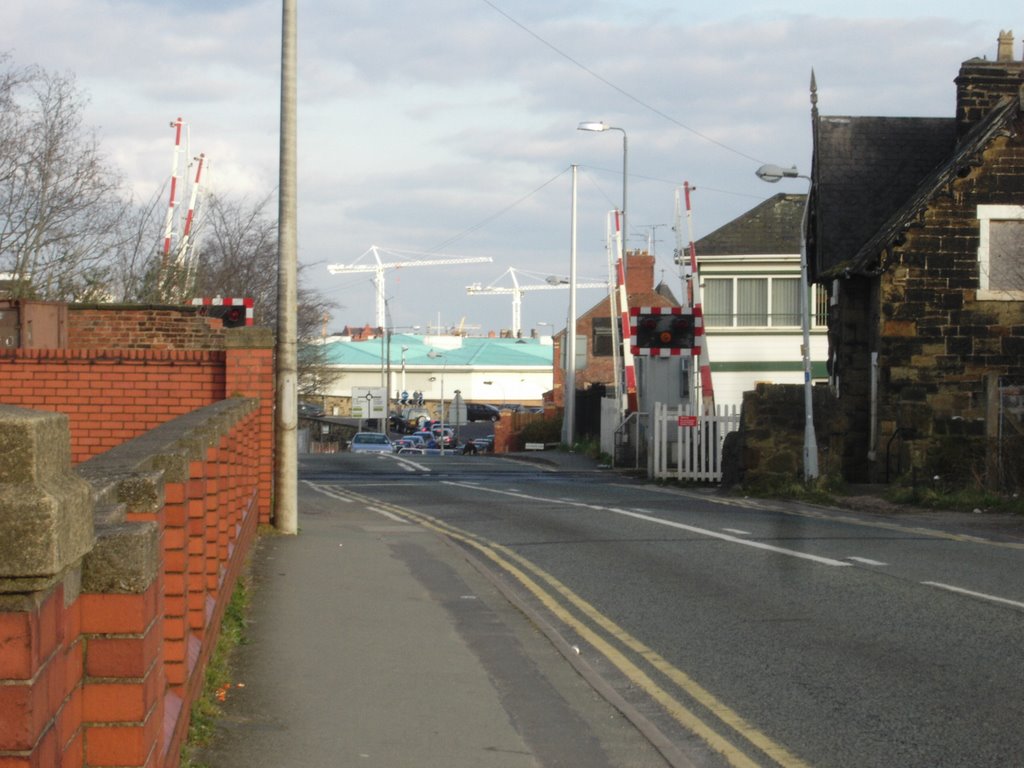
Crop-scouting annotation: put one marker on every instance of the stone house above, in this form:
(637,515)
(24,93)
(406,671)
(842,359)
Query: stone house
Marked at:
(916,229)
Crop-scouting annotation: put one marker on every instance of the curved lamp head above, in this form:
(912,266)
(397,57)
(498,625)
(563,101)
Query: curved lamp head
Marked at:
(773,173)
(592,125)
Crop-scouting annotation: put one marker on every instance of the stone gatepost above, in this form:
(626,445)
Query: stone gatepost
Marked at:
(46,529)
(46,520)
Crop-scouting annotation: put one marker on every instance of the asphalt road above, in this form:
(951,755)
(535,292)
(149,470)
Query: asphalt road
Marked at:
(750,633)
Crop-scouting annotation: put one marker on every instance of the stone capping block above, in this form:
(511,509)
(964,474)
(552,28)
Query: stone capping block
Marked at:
(251,337)
(125,559)
(131,477)
(168,448)
(46,514)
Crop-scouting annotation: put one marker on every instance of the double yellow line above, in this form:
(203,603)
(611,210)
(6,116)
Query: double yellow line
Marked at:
(547,590)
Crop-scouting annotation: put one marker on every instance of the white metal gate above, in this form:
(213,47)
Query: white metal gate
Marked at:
(690,447)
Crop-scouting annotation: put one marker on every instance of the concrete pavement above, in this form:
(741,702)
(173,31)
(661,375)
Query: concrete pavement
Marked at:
(376,643)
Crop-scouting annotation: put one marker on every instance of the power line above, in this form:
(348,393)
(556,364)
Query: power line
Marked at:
(497,214)
(618,89)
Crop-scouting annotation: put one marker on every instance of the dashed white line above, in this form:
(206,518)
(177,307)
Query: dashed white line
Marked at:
(970,593)
(650,518)
(328,490)
(866,561)
(388,515)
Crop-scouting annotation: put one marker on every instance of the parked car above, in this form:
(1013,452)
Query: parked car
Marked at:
(482,412)
(409,444)
(429,441)
(479,445)
(445,434)
(309,410)
(413,419)
(370,442)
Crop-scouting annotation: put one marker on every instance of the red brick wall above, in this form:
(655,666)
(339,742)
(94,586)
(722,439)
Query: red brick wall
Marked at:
(600,369)
(130,369)
(108,678)
(134,327)
(111,396)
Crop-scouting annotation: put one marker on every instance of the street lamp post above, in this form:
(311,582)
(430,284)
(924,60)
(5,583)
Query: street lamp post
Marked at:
(599,126)
(434,355)
(772,174)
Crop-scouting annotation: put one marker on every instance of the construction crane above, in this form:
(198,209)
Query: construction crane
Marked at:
(378,270)
(516,290)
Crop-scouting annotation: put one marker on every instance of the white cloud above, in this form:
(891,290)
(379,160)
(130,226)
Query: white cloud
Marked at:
(420,122)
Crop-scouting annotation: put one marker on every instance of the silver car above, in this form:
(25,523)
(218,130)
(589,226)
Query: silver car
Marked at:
(370,442)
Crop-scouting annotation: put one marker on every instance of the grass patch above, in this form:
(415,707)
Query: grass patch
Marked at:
(958,500)
(218,678)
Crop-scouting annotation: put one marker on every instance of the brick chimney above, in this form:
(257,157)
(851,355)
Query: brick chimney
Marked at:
(639,272)
(981,83)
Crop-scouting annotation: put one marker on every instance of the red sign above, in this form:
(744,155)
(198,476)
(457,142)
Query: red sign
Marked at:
(687,421)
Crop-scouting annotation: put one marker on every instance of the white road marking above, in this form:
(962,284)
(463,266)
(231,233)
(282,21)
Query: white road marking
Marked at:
(680,526)
(866,561)
(980,595)
(388,515)
(329,490)
(411,466)
(737,531)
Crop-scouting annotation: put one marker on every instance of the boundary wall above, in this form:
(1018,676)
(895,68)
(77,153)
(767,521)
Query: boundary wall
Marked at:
(136,463)
(114,576)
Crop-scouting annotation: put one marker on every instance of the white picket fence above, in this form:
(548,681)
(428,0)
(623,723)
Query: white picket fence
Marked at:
(690,447)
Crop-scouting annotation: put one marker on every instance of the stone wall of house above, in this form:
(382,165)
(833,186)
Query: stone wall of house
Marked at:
(851,341)
(938,342)
(982,82)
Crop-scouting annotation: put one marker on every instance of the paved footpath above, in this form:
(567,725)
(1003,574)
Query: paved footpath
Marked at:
(376,643)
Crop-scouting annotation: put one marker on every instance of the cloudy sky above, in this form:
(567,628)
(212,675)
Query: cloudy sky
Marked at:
(448,127)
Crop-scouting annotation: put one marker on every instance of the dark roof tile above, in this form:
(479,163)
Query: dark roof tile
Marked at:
(773,227)
(864,169)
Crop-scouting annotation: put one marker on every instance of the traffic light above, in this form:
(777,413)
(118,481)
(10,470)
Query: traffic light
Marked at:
(234,313)
(233,317)
(661,331)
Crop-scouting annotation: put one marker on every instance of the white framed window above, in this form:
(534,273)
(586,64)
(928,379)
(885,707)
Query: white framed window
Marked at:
(1001,252)
(757,302)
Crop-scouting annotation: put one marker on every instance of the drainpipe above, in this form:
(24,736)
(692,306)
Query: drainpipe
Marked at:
(873,424)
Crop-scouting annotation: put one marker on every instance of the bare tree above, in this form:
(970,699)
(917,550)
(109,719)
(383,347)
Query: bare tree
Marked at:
(238,254)
(134,263)
(60,202)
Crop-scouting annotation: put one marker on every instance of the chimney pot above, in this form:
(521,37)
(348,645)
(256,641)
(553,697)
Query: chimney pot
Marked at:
(1005,49)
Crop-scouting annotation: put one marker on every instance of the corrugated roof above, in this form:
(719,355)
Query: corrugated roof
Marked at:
(483,352)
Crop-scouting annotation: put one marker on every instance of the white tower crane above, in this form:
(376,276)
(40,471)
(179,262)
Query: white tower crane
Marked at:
(378,270)
(516,290)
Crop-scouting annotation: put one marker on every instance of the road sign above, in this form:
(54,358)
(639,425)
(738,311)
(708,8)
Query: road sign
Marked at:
(457,410)
(661,331)
(369,403)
